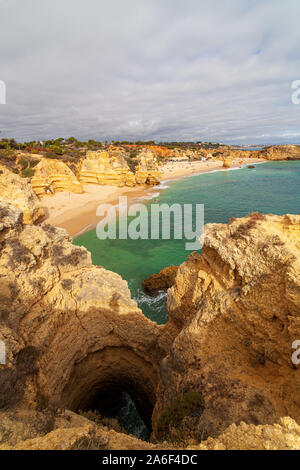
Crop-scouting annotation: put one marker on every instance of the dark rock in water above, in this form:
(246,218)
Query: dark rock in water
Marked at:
(161,281)
(251,166)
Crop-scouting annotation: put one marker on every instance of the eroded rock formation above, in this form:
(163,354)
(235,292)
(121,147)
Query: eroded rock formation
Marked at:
(73,432)
(51,176)
(100,167)
(227,162)
(71,330)
(147,171)
(281,152)
(111,167)
(17,191)
(284,435)
(236,309)
(161,281)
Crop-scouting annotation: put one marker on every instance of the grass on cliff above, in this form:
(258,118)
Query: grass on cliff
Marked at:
(27,172)
(177,422)
(92,441)
(95,416)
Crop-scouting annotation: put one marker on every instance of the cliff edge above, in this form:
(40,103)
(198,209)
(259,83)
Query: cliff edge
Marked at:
(219,374)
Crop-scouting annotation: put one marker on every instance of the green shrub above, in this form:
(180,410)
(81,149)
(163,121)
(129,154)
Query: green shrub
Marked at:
(34,163)
(51,155)
(27,172)
(24,162)
(56,149)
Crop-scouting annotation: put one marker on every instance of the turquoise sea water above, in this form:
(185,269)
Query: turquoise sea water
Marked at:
(272,187)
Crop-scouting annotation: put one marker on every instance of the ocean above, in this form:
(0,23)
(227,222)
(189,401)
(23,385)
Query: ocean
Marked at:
(270,188)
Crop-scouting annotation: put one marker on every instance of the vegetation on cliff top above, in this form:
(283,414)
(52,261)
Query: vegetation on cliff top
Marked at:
(176,422)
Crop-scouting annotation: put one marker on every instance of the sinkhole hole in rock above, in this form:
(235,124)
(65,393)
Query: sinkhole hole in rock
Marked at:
(117,383)
(115,403)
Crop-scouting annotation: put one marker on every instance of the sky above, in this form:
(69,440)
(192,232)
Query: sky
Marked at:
(168,70)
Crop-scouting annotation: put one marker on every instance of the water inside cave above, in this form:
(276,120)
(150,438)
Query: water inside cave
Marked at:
(225,194)
(119,405)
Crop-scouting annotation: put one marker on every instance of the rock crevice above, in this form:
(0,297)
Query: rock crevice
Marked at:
(72,331)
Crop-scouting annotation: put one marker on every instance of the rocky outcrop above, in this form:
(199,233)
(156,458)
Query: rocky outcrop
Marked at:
(284,435)
(51,176)
(235,313)
(69,328)
(147,170)
(110,167)
(227,162)
(101,167)
(17,191)
(220,371)
(273,152)
(161,281)
(75,433)
(281,152)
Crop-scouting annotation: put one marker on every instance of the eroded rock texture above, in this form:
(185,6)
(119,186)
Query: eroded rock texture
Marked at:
(51,176)
(111,167)
(161,281)
(17,191)
(75,433)
(281,152)
(147,170)
(100,167)
(236,310)
(72,330)
(227,163)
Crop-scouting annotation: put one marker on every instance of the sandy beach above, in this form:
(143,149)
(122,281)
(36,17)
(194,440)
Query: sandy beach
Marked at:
(180,169)
(77,212)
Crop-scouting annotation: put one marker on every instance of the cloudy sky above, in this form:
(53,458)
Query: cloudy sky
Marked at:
(150,69)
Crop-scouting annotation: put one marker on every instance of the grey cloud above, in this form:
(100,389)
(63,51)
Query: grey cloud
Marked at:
(168,70)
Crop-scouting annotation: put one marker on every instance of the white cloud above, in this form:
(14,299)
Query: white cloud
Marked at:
(168,70)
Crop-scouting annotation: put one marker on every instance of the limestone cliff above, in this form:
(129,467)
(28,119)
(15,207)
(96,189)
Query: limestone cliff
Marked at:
(111,167)
(72,432)
(273,152)
(100,167)
(235,313)
(71,330)
(161,281)
(281,152)
(227,162)
(284,435)
(17,191)
(147,170)
(51,176)
(74,325)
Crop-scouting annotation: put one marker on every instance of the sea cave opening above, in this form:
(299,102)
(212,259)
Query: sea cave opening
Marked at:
(115,384)
(118,402)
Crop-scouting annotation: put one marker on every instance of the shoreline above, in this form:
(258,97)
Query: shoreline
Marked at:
(76,213)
